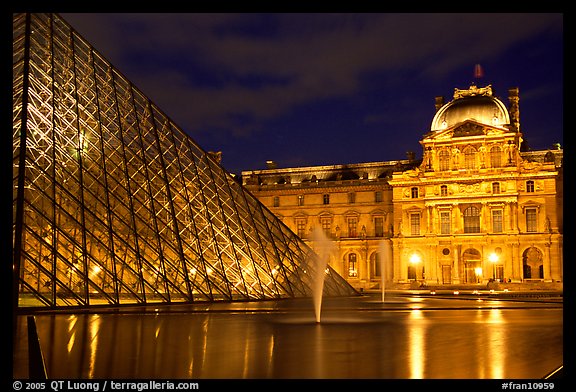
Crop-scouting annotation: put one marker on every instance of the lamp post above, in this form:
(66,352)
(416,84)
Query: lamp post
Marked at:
(494,259)
(415,259)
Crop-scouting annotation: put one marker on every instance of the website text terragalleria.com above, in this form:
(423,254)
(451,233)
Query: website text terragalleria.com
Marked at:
(103,385)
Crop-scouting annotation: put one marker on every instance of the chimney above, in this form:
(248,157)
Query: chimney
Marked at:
(439,102)
(514,109)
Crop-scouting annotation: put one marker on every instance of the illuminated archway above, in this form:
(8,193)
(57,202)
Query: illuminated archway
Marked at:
(532,263)
(472,265)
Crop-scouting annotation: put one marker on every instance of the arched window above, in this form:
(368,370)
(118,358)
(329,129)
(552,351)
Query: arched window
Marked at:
(470,158)
(495,156)
(444,160)
(352,270)
(472,220)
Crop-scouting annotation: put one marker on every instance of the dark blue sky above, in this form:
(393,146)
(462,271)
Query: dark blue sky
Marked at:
(321,89)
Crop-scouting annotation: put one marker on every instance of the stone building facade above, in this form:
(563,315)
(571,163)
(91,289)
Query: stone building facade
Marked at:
(474,209)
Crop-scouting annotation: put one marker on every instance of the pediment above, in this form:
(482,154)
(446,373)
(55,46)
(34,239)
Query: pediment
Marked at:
(466,128)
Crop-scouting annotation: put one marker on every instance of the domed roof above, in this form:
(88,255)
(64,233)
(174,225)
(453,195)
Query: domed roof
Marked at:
(477,104)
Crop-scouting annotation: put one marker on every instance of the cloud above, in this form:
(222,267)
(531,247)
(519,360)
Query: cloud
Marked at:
(202,68)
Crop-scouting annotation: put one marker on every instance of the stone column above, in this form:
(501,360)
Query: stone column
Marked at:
(547,263)
(456,264)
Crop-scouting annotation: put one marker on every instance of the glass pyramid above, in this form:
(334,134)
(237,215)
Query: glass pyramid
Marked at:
(114,204)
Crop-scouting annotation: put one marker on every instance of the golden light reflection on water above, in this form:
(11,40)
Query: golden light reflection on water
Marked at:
(489,343)
(417,344)
(496,343)
(94,329)
(71,324)
(270,356)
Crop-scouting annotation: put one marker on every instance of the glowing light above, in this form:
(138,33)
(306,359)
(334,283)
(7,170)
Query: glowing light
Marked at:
(415,258)
(493,257)
(478,271)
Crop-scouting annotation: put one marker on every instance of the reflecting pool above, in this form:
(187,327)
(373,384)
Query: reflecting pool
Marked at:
(361,338)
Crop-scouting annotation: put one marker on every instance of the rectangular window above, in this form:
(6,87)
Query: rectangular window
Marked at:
(445,222)
(495,187)
(414,193)
(301,228)
(276,201)
(352,227)
(472,220)
(300,200)
(443,190)
(326,199)
(415,224)
(529,186)
(497,221)
(444,160)
(378,197)
(379,226)
(351,198)
(531,221)
(326,225)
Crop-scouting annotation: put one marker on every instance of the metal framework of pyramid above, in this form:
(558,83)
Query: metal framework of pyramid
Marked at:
(114,204)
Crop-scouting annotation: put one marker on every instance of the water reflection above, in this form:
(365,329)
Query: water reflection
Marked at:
(417,343)
(404,342)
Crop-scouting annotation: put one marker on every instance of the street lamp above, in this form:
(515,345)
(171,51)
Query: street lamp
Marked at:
(415,259)
(493,257)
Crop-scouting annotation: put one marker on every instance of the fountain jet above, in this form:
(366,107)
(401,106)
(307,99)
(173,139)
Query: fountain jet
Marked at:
(323,248)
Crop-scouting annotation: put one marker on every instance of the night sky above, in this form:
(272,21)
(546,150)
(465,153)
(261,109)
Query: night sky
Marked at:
(324,89)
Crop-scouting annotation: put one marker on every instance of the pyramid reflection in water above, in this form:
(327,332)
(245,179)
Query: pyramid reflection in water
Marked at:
(114,204)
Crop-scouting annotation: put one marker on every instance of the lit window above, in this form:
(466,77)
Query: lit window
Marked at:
(379,227)
(326,225)
(445,222)
(531,220)
(444,160)
(495,187)
(415,224)
(352,271)
(301,227)
(300,200)
(497,221)
(495,156)
(377,268)
(352,227)
(472,220)
(443,190)
(470,157)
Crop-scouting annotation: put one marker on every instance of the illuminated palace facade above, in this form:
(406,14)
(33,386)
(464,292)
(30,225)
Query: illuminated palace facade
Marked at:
(475,208)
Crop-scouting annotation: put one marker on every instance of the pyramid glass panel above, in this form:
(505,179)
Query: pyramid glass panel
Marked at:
(114,204)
